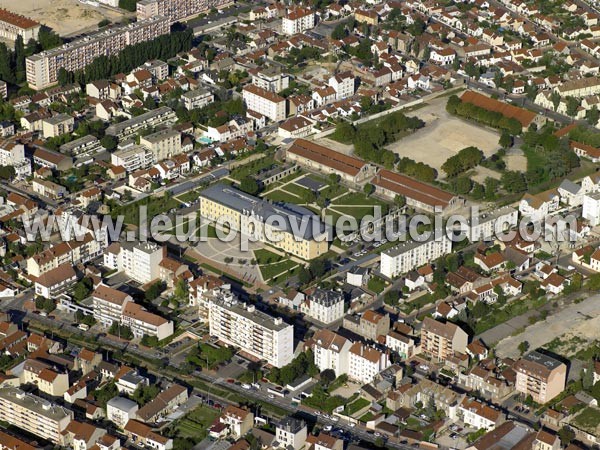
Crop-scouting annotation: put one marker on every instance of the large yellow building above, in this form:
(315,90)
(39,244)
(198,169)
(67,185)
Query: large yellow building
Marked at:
(293,229)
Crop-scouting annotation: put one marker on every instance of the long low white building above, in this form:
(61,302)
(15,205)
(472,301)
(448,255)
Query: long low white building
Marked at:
(410,255)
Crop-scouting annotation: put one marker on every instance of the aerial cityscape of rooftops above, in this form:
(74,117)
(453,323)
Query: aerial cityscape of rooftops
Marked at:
(299,224)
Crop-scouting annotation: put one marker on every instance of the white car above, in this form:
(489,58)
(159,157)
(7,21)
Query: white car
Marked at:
(352,425)
(328,428)
(335,418)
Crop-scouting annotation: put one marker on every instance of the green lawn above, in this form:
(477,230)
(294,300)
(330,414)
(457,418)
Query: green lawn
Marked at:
(295,189)
(376,285)
(253,168)
(189,196)
(271,271)
(357,406)
(358,212)
(357,198)
(588,419)
(196,423)
(281,196)
(264,256)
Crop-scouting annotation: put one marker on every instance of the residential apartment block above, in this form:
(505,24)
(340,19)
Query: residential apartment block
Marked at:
(271,79)
(540,376)
(13,154)
(42,68)
(175,10)
(163,144)
(109,304)
(252,216)
(154,118)
(331,351)
(33,414)
(369,325)
(291,433)
(139,260)
(13,25)
(72,252)
(197,98)
(264,102)
(410,255)
(253,331)
(326,305)
(364,363)
(298,20)
(132,158)
(442,340)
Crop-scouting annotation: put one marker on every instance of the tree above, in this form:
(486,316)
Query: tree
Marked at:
(144,393)
(505,140)
(249,185)
(523,347)
(19,53)
(514,181)
(45,304)
(399,200)
(149,341)
(592,116)
(129,5)
(593,283)
(328,376)
(572,105)
(555,98)
(368,189)
(566,435)
(109,142)
(154,291)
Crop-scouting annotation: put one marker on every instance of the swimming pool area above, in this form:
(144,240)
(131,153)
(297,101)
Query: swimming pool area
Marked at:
(205,140)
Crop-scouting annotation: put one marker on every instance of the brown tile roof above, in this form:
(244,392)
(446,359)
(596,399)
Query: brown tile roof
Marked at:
(524,116)
(137,312)
(327,157)
(109,294)
(411,188)
(268,95)
(365,352)
(17,19)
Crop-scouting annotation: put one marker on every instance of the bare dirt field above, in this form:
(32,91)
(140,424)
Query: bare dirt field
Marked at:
(337,146)
(66,17)
(443,136)
(581,320)
(516,161)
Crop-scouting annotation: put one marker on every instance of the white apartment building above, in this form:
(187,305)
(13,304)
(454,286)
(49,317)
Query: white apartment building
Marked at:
(109,304)
(478,415)
(331,351)
(13,25)
(364,363)
(235,128)
(326,305)
(298,20)
(410,255)
(163,144)
(401,344)
(176,10)
(13,154)
(291,433)
(154,118)
(143,322)
(198,98)
(253,331)
(42,68)
(343,84)
(120,410)
(265,102)
(33,414)
(133,158)
(271,79)
(490,224)
(139,260)
(591,208)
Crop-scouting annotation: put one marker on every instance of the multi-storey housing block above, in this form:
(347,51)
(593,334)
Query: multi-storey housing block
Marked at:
(133,158)
(298,20)
(197,98)
(291,433)
(33,414)
(139,260)
(109,304)
(271,79)
(410,255)
(326,305)
(540,376)
(253,331)
(330,351)
(176,10)
(151,119)
(13,154)
(42,68)
(364,363)
(267,103)
(163,144)
(442,340)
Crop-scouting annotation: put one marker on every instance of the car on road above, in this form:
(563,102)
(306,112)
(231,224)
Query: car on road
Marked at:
(351,425)
(327,428)
(271,396)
